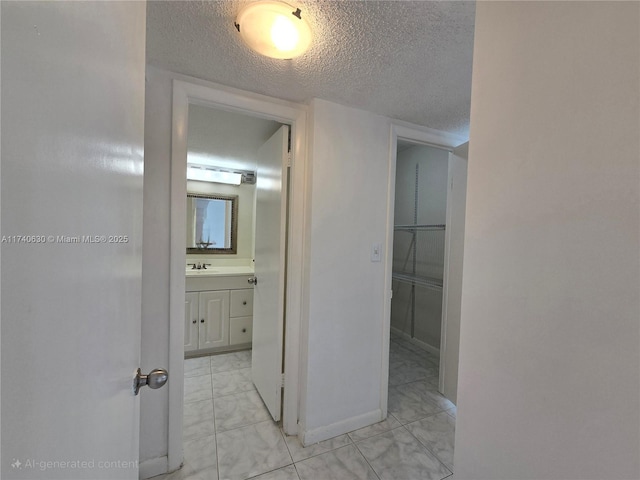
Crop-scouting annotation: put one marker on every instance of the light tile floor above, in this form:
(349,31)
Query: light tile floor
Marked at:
(228,433)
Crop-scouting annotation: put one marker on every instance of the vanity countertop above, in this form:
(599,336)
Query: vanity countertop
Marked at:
(220,271)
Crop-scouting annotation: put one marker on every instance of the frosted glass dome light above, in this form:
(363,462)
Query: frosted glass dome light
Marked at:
(274,29)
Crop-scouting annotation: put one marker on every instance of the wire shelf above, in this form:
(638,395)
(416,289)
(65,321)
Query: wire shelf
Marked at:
(428,282)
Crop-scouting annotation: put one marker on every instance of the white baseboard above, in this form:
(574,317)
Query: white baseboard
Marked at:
(152,467)
(315,435)
(415,341)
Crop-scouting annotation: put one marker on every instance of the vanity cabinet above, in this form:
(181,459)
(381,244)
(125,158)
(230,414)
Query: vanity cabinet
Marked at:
(206,320)
(241,316)
(191,321)
(217,318)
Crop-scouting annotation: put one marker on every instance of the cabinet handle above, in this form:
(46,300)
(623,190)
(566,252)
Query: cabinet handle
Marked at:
(244,330)
(194,320)
(244,303)
(202,321)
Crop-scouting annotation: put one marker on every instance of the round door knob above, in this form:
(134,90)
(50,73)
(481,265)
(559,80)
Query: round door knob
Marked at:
(156,378)
(253,280)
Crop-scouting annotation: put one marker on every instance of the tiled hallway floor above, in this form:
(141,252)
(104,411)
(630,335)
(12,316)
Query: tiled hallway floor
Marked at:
(228,433)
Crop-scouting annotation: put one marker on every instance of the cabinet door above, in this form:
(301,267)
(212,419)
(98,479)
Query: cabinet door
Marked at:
(240,330)
(214,319)
(242,303)
(191,322)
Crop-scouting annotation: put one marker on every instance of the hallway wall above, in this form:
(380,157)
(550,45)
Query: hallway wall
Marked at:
(347,184)
(550,341)
(348,180)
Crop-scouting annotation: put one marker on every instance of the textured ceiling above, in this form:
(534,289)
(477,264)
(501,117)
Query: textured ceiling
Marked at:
(409,60)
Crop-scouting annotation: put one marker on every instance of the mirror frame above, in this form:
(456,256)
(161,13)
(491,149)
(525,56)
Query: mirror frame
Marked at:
(234,226)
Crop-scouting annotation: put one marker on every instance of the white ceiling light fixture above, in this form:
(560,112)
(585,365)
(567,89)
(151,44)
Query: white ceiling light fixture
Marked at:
(203,173)
(274,29)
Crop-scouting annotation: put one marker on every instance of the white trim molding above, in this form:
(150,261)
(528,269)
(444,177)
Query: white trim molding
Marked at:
(153,467)
(309,437)
(426,136)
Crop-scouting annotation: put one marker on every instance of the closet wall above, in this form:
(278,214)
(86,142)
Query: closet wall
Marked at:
(425,169)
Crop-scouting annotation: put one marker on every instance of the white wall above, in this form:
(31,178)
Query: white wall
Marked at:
(349,168)
(549,354)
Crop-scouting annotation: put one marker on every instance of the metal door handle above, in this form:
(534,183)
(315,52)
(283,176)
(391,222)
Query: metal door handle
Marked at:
(253,280)
(156,379)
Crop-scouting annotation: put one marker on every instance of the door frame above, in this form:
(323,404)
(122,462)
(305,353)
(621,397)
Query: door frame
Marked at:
(433,138)
(255,105)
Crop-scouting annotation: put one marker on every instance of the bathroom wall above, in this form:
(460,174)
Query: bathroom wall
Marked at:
(229,140)
(550,338)
(432,204)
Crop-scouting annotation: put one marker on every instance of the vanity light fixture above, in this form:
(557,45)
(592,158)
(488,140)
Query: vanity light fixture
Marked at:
(274,29)
(205,174)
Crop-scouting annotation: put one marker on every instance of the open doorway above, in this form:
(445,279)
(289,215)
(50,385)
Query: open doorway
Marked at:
(260,144)
(427,216)
(237,170)
(418,248)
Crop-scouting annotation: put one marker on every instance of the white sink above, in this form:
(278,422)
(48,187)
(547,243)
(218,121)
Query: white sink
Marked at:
(220,271)
(208,271)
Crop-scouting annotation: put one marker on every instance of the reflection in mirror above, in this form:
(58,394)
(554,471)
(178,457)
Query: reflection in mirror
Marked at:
(212,223)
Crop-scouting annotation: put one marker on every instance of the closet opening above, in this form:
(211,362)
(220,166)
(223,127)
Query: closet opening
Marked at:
(419,250)
(419,267)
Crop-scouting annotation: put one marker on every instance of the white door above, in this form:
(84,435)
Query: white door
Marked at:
(268,298)
(454,241)
(72,163)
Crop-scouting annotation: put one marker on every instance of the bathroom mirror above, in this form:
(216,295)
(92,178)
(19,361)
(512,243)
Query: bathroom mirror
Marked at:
(212,223)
